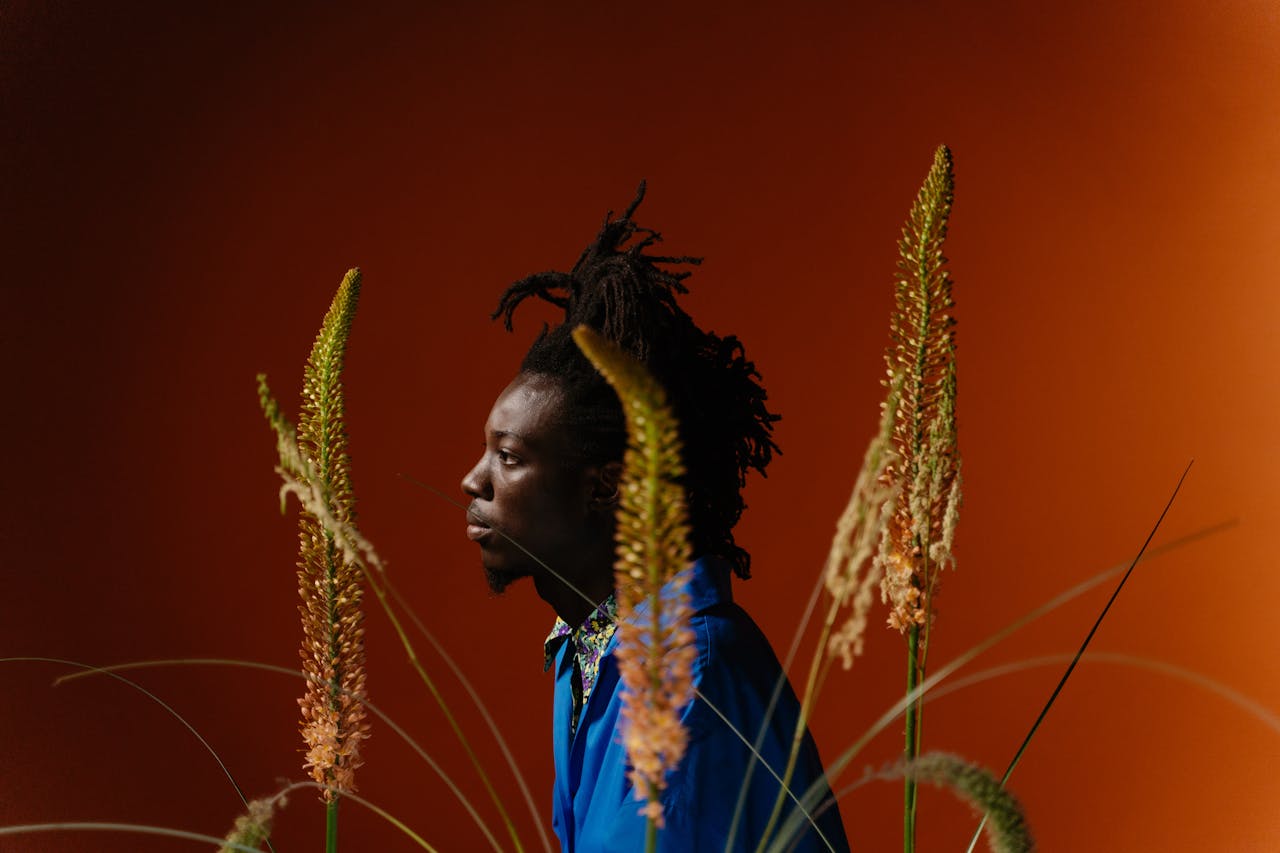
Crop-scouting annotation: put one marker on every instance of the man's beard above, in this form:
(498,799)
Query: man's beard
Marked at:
(499,580)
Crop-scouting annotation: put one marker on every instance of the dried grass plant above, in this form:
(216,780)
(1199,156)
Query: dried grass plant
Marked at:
(655,643)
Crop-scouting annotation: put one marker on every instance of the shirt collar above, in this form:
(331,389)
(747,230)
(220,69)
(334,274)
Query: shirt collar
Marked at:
(708,585)
(605,614)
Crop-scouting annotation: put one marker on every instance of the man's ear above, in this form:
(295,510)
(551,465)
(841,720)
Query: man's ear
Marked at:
(604,487)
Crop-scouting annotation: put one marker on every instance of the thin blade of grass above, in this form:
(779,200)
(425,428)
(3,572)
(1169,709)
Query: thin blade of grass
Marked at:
(781,681)
(139,828)
(379,585)
(457,671)
(153,697)
(1053,697)
(943,672)
(786,789)
(378,810)
(266,667)
(474,695)
(1243,701)
(147,829)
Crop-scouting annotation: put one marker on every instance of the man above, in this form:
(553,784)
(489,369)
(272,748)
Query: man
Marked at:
(543,499)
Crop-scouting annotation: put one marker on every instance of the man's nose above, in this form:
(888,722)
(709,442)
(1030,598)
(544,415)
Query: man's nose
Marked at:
(475,483)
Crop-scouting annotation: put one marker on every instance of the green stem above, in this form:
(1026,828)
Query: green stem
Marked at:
(810,697)
(651,837)
(414,662)
(912,747)
(331,826)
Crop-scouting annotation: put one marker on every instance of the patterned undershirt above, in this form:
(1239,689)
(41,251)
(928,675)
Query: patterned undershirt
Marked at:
(589,642)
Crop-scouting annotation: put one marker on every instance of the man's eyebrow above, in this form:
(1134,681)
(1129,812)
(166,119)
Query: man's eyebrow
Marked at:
(506,433)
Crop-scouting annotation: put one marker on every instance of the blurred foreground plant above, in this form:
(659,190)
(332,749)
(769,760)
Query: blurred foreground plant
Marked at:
(655,644)
(897,529)
(926,468)
(316,467)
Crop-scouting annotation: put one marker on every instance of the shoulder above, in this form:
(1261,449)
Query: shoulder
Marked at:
(736,669)
(727,635)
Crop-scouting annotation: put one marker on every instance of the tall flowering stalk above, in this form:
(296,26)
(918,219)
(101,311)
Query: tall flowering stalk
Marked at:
(655,644)
(850,576)
(897,528)
(316,467)
(917,542)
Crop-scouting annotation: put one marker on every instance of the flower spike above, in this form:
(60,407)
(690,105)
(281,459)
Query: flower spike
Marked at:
(316,467)
(922,352)
(655,644)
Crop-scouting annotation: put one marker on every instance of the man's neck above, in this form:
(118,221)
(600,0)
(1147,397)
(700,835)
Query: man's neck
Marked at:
(575,605)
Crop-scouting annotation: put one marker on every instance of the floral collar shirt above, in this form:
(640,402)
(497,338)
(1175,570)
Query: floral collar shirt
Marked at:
(589,642)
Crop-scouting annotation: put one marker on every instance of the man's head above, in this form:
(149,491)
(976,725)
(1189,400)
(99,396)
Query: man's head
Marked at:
(630,298)
(537,500)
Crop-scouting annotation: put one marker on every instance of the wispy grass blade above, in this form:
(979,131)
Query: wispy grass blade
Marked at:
(137,828)
(225,845)
(836,767)
(1053,697)
(1243,701)
(775,696)
(96,670)
(760,759)
(377,584)
(483,709)
(376,809)
(374,709)
(457,671)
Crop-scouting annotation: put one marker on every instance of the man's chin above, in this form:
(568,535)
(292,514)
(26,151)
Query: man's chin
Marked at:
(499,579)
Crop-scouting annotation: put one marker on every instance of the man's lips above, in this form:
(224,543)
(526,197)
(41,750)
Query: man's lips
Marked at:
(476,528)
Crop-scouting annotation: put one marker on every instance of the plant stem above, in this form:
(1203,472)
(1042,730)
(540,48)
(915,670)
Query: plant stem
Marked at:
(331,826)
(810,697)
(912,747)
(381,594)
(651,837)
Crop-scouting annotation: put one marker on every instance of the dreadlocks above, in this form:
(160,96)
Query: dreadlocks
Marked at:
(622,293)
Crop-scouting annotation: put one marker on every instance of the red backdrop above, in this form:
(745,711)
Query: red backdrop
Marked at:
(183,191)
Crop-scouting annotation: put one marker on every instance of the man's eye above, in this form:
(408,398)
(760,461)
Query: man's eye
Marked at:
(505,457)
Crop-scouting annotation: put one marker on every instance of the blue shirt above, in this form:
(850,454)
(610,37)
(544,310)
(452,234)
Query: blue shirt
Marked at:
(594,806)
(589,640)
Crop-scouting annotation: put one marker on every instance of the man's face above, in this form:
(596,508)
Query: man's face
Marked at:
(527,486)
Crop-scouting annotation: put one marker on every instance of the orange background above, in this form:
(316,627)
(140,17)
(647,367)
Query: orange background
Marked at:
(183,191)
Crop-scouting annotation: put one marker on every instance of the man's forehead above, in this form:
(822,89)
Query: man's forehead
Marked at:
(528,409)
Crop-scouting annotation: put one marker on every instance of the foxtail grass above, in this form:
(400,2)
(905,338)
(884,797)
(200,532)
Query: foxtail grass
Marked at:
(897,529)
(253,827)
(927,468)
(655,650)
(315,467)
(1008,832)
(315,461)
